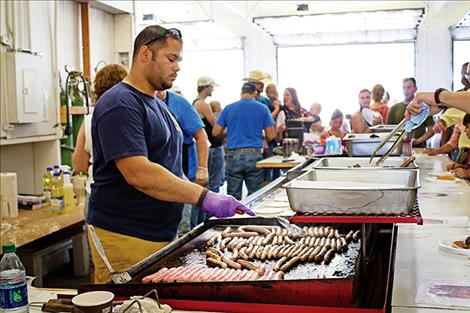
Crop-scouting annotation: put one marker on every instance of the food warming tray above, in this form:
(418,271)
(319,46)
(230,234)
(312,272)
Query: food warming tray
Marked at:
(358,162)
(382,128)
(365,144)
(354,191)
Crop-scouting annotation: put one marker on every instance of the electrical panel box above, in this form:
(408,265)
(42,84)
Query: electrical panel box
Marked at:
(25,99)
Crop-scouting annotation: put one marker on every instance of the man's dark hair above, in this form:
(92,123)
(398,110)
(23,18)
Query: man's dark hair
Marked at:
(411,79)
(249,88)
(146,35)
(466,119)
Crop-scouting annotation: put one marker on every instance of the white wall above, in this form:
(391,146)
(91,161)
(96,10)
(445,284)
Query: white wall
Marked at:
(434,44)
(30,157)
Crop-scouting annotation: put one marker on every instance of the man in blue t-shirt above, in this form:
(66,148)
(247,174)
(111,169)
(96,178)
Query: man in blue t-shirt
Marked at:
(194,154)
(245,121)
(138,191)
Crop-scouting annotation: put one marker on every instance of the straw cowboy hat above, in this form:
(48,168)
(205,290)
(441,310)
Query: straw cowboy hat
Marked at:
(258,76)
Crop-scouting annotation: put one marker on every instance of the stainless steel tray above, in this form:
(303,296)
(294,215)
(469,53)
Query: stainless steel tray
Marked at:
(354,191)
(387,128)
(352,163)
(365,144)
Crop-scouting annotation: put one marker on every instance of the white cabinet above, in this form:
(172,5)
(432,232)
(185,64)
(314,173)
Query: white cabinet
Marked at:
(25,101)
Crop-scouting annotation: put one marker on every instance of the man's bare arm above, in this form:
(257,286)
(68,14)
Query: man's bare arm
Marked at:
(156,181)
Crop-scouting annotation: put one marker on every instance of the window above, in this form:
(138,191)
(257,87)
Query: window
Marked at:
(334,75)
(226,67)
(461,56)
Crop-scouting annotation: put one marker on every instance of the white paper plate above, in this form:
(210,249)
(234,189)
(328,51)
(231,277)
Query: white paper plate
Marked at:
(442,181)
(441,173)
(446,245)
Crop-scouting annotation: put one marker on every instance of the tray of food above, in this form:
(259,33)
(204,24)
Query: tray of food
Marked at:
(354,191)
(257,261)
(365,144)
(358,162)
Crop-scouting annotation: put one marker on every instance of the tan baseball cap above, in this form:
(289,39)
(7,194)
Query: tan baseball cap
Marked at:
(206,81)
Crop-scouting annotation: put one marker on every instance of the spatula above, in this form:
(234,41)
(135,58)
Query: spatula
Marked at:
(116,277)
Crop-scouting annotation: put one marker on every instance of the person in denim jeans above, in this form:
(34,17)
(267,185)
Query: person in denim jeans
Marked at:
(245,121)
(205,87)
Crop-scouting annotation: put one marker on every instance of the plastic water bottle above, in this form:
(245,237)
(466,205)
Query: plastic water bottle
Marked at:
(13,289)
(47,184)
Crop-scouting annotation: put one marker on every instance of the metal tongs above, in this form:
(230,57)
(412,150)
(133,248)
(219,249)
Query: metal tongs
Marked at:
(408,126)
(392,134)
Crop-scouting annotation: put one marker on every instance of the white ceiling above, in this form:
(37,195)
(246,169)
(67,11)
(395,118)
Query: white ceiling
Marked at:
(178,11)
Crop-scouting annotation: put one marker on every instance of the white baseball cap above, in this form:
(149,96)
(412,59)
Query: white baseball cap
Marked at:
(206,81)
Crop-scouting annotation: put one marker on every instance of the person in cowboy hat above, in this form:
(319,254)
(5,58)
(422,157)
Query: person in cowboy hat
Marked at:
(259,79)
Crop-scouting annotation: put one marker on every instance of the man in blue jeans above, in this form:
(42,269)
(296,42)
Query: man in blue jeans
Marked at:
(245,121)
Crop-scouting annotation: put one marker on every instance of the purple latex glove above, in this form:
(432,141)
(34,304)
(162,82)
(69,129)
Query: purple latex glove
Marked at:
(220,205)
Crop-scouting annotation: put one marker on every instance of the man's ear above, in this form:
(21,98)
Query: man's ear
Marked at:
(145,54)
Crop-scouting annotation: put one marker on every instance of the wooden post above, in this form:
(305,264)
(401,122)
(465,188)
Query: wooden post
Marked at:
(85,17)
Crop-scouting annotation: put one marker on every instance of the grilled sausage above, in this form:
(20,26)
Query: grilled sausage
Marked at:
(264,254)
(355,236)
(226,230)
(329,256)
(231,263)
(349,236)
(259,229)
(327,243)
(250,240)
(284,232)
(275,240)
(242,253)
(322,241)
(234,255)
(288,240)
(213,255)
(215,263)
(290,264)
(279,276)
(321,231)
(260,241)
(339,245)
(333,243)
(253,252)
(310,231)
(302,240)
(408,161)
(332,233)
(247,265)
(337,235)
(320,255)
(315,232)
(259,252)
(213,239)
(302,252)
(287,251)
(241,234)
(279,263)
(224,243)
(304,257)
(278,231)
(232,242)
(290,233)
(267,239)
(276,251)
(261,270)
(215,250)
(317,242)
(269,256)
(312,255)
(344,243)
(249,248)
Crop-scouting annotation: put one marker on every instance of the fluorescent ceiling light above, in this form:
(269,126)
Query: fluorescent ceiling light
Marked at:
(368,25)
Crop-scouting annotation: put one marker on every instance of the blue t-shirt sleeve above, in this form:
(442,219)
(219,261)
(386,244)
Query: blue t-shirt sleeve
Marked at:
(222,119)
(121,134)
(190,121)
(268,118)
